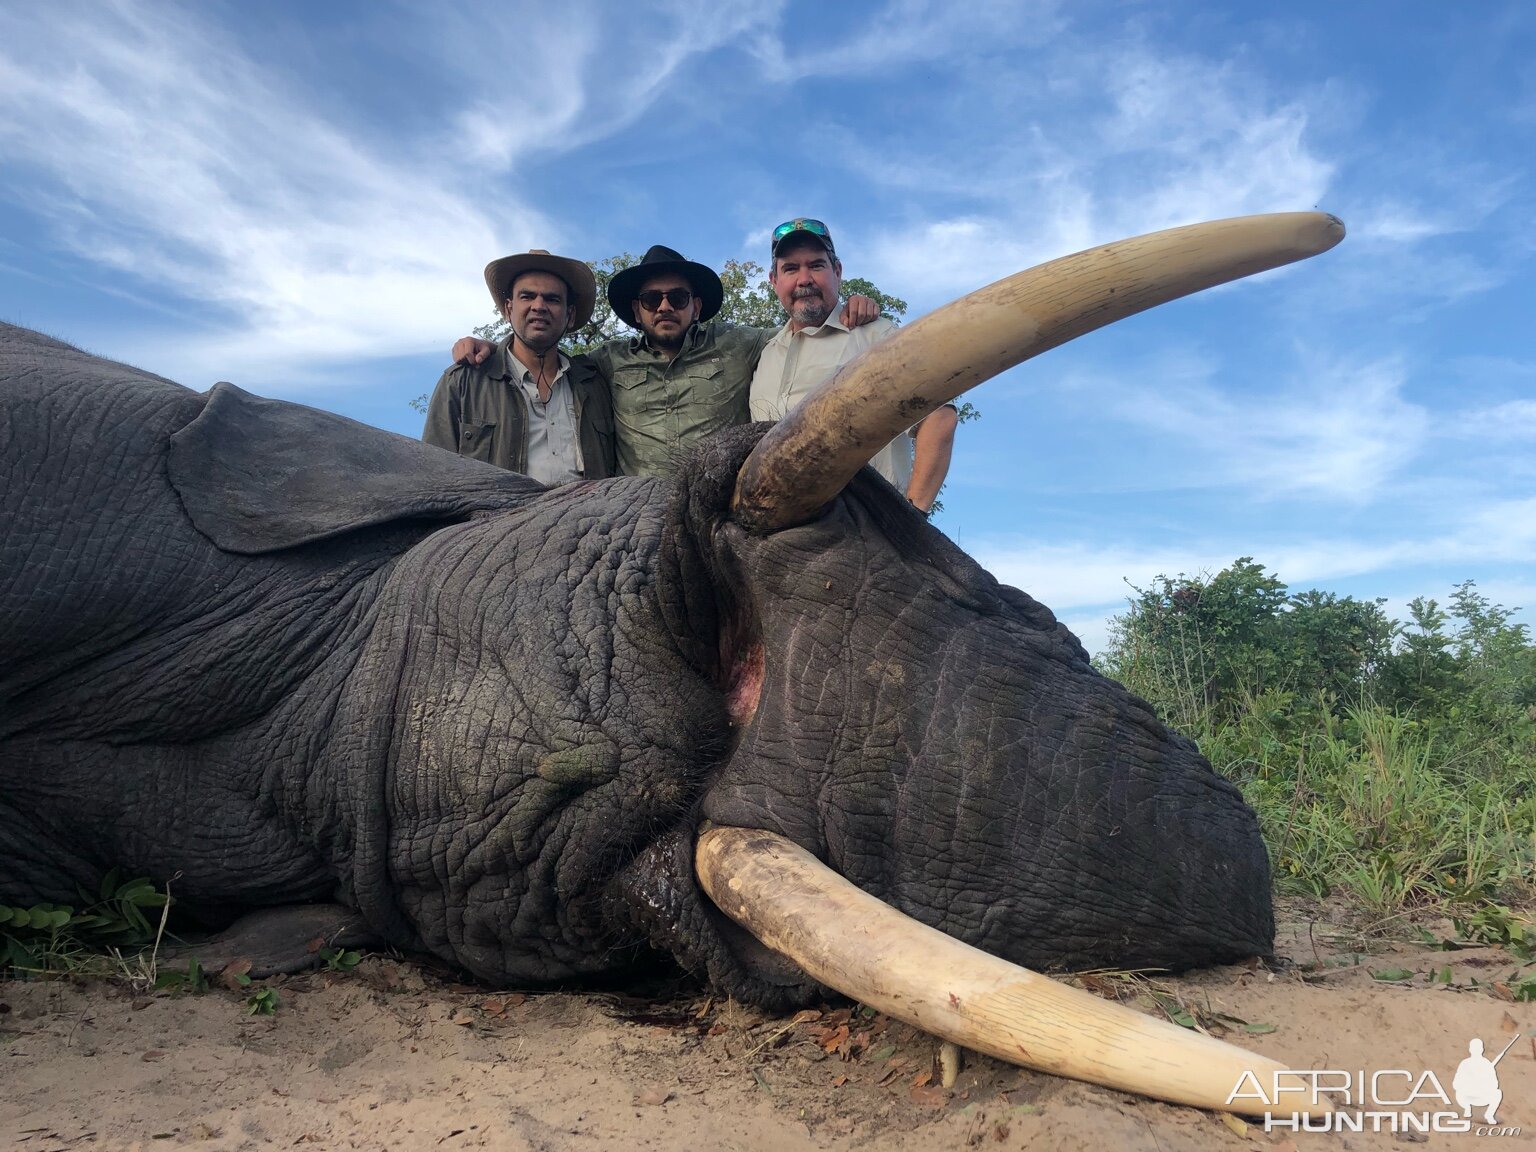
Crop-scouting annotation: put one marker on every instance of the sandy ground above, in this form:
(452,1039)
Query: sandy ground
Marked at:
(395,1055)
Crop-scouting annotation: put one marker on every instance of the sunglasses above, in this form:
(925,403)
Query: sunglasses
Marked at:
(677,297)
(802,224)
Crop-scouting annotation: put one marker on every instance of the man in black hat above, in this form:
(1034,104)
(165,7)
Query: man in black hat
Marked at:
(526,406)
(686,375)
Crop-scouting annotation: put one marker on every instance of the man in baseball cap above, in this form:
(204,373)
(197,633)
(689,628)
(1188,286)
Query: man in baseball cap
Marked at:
(527,406)
(807,277)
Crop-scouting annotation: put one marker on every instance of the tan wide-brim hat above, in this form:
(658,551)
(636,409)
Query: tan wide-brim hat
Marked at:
(499,275)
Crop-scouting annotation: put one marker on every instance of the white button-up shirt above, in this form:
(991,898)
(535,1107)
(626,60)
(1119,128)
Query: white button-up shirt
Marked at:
(554,451)
(793,364)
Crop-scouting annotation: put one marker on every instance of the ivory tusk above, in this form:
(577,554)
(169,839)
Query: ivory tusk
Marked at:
(849,940)
(813,452)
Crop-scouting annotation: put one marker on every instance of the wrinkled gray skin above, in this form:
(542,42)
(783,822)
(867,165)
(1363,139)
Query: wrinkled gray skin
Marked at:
(289,658)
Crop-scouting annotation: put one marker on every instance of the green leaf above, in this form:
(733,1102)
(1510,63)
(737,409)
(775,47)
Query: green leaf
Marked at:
(135,919)
(18,954)
(1393,974)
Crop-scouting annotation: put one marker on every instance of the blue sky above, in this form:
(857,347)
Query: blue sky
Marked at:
(300,198)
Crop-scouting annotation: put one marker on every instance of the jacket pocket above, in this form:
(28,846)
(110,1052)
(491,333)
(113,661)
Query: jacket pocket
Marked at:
(475,441)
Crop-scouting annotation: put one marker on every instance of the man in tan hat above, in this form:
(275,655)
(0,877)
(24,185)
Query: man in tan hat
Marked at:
(686,374)
(527,406)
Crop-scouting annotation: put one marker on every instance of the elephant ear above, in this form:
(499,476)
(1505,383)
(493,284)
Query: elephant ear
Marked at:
(258,475)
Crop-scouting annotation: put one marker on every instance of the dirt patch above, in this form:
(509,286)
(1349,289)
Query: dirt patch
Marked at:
(398,1056)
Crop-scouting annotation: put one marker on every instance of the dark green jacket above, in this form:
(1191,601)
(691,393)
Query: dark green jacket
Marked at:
(479,411)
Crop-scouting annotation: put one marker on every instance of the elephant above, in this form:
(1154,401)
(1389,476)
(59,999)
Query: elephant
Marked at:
(292,660)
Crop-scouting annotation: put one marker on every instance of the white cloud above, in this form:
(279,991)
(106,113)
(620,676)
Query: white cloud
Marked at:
(583,78)
(905,32)
(1087,584)
(1117,142)
(1513,420)
(174,156)
(1401,224)
(162,154)
(1335,430)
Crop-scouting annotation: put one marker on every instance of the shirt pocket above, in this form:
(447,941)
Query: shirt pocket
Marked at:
(710,385)
(475,441)
(631,396)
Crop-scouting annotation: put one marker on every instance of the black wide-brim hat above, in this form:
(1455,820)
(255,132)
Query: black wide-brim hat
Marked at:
(657,261)
(499,275)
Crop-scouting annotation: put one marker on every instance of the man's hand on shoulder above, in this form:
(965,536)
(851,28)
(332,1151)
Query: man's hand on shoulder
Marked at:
(859,310)
(468,350)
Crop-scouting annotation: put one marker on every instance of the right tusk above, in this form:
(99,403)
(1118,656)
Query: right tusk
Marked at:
(812,453)
(849,940)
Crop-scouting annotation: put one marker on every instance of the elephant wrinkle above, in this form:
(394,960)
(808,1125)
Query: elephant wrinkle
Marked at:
(581,767)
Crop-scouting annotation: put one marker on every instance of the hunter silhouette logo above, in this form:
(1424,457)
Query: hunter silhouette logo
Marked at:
(1386,1100)
(1476,1082)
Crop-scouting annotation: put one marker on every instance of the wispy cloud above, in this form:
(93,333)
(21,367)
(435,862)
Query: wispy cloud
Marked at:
(160,153)
(1116,142)
(1079,575)
(173,155)
(905,32)
(580,79)
(1336,430)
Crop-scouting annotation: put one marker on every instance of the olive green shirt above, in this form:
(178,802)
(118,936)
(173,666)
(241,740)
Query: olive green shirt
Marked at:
(662,407)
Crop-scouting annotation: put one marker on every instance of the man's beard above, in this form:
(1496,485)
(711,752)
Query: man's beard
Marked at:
(810,310)
(670,342)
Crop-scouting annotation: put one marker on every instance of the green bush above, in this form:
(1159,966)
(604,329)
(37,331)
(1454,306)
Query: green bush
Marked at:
(57,938)
(1391,763)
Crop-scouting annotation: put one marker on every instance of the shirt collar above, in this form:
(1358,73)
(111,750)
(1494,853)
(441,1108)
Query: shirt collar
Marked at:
(522,372)
(512,368)
(832,323)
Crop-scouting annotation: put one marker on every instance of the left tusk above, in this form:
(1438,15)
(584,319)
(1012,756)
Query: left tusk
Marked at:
(849,940)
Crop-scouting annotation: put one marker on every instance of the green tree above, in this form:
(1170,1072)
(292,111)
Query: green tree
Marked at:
(1421,672)
(1468,668)
(1204,650)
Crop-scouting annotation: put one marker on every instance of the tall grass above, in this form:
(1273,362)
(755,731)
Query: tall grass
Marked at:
(1384,810)
(1398,774)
